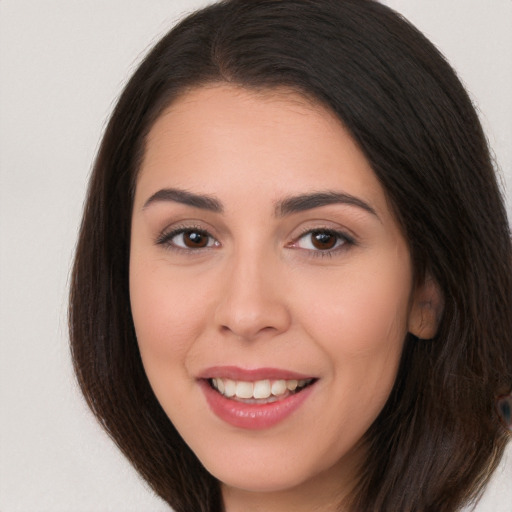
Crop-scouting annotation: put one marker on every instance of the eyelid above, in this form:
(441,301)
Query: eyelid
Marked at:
(165,237)
(346,239)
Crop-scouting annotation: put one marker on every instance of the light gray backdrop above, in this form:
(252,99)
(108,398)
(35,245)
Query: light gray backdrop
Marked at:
(62,63)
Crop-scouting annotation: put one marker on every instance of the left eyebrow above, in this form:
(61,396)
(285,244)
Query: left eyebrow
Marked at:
(203,202)
(305,202)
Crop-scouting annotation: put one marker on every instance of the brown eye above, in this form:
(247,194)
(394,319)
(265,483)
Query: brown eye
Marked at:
(188,239)
(195,239)
(322,240)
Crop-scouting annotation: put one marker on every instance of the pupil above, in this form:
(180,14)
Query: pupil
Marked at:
(324,240)
(195,239)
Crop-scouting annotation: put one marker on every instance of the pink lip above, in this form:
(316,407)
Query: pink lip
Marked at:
(236,373)
(252,416)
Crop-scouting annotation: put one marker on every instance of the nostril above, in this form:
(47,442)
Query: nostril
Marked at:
(247,332)
(249,308)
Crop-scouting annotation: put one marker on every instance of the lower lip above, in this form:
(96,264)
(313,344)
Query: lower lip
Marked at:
(253,416)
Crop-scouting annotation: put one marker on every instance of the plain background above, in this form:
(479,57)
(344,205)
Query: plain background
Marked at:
(62,64)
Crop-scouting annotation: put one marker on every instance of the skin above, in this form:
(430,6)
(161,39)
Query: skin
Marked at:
(261,294)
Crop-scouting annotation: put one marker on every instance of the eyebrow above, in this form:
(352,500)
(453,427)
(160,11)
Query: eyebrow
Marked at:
(300,203)
(287,206)
(203,202)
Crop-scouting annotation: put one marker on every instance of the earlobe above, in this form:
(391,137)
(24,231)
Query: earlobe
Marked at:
(427,309)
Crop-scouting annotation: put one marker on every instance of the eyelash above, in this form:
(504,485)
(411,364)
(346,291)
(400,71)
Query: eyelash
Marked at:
(166,238)
(342,240)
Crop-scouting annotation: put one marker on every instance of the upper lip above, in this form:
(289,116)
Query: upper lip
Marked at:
(251,374)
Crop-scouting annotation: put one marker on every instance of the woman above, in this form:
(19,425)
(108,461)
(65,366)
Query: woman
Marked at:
(292,287)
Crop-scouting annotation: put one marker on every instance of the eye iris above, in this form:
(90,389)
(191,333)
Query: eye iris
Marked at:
(323,240)
(195,239)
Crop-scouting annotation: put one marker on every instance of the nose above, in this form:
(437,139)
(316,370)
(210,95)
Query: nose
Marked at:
(253,301)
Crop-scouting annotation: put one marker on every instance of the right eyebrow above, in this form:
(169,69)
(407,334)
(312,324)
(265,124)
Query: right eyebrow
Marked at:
(303,202)
(176,195)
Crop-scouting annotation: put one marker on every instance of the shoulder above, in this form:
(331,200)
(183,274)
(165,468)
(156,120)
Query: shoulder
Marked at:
(497,496)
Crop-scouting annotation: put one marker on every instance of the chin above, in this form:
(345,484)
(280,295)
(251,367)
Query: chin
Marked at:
(258,467)
(260,481)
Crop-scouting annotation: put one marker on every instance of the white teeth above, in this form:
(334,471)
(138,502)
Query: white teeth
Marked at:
(259,390)
(244,389)
(278,387)
(292,385)
(229,387)
(262,389)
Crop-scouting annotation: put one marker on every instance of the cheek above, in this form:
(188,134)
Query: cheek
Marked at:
(359,320)
(159,307)
(362,308)
(360,325)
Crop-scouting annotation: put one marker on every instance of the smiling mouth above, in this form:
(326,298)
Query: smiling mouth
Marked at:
(260,391)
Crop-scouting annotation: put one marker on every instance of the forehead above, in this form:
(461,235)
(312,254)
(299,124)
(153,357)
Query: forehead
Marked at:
(218,113)
(222,138)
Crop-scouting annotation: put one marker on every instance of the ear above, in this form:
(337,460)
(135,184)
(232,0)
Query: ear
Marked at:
(426,310)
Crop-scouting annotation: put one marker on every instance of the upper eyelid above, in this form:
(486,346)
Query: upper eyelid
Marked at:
(348,243)
(184,225)
(344,233)
(168,233)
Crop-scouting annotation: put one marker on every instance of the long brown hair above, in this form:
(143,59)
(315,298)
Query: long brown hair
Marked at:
(438,437)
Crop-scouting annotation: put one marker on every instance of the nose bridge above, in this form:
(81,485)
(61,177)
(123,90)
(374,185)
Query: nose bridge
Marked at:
(252,299)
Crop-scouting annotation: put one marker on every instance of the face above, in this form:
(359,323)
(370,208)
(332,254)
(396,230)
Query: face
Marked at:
(271,287)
